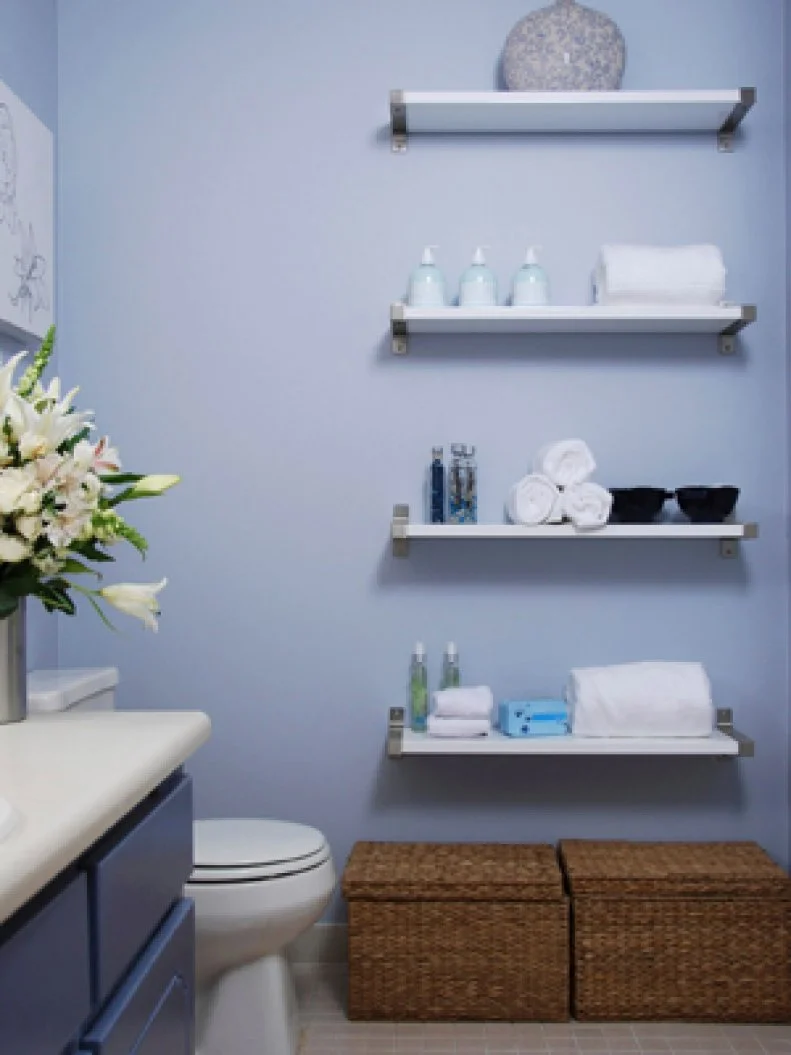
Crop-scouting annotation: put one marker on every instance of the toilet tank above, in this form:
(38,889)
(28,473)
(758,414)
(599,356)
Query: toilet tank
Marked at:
(84,689)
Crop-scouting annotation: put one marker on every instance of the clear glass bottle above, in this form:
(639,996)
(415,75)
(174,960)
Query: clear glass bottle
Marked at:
(418,689)
(437,486)
(456,484)
(451,675)
(470,486)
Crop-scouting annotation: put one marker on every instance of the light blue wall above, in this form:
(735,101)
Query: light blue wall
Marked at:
(233,229)
(29,66)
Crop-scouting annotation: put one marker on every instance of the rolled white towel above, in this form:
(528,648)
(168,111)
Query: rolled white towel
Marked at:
(653,274)
(458,728)
(467,701)
(587,505)
(641,699)
(532,500)
(566,462)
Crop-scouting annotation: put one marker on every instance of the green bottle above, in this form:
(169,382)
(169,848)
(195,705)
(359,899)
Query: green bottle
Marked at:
(451,675)
(418,689)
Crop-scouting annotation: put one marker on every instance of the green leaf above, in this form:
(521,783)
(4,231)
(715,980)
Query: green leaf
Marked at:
(76,567)
(97,607)
(68,445)
(91,551)
(54,597)
(120,478)
(8,604)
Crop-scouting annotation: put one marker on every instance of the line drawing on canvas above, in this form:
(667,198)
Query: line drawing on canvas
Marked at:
(31,269)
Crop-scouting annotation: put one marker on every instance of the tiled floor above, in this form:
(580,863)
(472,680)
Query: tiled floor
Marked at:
(327,1031)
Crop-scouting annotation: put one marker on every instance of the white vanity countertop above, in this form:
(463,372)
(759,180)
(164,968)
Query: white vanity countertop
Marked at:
(71,777)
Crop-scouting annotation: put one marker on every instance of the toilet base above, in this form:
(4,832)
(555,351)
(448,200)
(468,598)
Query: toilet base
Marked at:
(249,1011)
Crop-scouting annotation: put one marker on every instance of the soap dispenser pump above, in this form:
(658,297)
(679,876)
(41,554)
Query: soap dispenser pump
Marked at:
(531,285)
(427,283)
(478,287)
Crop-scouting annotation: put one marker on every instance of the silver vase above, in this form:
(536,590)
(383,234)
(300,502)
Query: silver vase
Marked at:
(13,667)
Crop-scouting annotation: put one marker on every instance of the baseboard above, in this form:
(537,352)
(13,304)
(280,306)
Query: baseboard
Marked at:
(323,943)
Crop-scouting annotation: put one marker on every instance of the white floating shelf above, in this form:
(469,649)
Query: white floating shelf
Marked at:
(726,321)
(725,742)
(402,532)
(718,112)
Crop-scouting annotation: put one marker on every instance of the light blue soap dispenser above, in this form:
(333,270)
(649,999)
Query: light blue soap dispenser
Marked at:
(531,285)
(427,283)
(478,287)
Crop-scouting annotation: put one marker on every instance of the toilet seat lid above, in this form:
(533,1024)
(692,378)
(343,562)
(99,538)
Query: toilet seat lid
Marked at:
(254,848)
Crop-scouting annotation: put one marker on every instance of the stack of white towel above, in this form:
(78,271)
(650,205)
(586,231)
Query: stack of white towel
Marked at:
(645,275)
(641,700)
(462,712)
(559,487)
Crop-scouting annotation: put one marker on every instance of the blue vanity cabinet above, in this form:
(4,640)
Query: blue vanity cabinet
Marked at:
(152,1013)
(102,962)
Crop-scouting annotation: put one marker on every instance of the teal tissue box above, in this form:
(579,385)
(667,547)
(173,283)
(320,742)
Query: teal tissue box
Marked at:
(534,718)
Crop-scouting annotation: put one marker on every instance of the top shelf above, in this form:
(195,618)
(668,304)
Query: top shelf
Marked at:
(421,113)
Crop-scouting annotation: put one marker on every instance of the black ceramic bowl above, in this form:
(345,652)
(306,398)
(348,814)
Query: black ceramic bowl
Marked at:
(637,505)
(707,505)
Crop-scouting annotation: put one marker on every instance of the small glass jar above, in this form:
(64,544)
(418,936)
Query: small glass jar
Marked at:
(457,476)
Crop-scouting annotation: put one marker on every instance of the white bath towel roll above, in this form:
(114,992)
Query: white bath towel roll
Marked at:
(458,728)
(641,699)
(587,505)
(566,462)
(466,701)
(653,274)
(532,500)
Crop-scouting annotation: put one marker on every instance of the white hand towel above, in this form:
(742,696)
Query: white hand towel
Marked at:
(587,505)
(652,274)
(458,728)
(566,462)
(467,701)
(532,500)
(557,516)
(641,699)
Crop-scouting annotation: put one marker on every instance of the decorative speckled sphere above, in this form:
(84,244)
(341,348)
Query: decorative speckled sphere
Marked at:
(564,48)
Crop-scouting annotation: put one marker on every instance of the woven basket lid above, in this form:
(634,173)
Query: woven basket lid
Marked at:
(452,872)
(612,869)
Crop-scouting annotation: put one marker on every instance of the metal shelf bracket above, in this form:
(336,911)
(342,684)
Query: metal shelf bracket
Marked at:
(725,136)
(727,339)
(398,530)
(729,547)
(395,732)
(398,122)
(725,725)
(400,337)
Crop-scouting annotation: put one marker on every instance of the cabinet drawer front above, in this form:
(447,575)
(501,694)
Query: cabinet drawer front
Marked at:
(135,878)
(154,1009)
(45,975)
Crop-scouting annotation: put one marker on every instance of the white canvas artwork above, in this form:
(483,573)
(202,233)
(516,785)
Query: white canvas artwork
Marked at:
(26,220)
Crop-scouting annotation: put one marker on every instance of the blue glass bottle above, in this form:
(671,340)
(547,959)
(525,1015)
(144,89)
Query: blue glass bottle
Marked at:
(437,484)
(470,486)
(456,484)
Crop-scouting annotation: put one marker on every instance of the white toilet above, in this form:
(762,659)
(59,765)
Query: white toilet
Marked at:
(257,885)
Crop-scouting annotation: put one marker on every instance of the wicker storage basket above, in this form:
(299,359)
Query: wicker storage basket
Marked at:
(689,931)
(456,931)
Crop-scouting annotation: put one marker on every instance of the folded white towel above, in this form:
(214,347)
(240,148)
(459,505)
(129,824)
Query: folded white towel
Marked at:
(532,500)
(458,728)
(565,462)
(587,505)
(652,274)
(557,515)
(641,699)
(467,701)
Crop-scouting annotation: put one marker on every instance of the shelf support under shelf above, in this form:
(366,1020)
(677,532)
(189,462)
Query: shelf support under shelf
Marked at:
(727,339)
(399,530)
(725,725)
(398,127)
(726,133)
(395,732)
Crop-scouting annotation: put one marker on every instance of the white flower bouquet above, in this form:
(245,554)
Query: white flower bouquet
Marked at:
(59,498)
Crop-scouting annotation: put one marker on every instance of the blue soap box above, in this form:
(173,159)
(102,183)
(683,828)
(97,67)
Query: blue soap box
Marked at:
(534,718)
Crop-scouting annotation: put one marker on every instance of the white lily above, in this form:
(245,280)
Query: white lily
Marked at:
(137,599)
(12,549)
(151,486)
(29,527)
(13,485)
(44,430)
(7,377)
